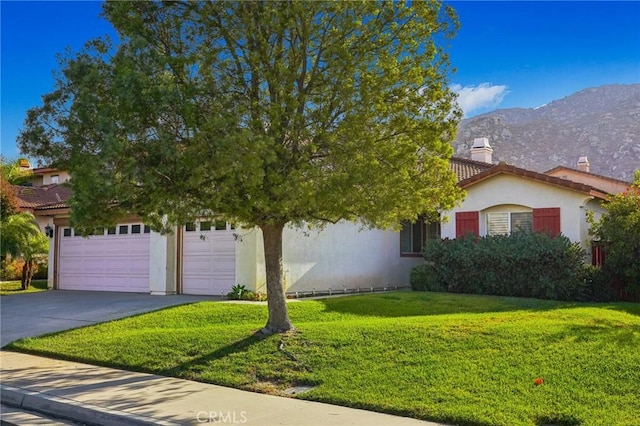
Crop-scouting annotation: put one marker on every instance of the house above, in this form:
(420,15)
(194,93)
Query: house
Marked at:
(505,198)
(209,257)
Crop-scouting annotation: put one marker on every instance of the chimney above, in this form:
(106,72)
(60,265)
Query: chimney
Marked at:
(583,164)
(481,150)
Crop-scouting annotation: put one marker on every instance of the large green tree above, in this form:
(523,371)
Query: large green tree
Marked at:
(261,113)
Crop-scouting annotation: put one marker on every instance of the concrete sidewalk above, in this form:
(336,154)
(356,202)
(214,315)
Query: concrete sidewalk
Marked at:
(105,396)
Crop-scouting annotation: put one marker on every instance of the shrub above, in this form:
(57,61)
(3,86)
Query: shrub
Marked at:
(619,231)
(236,292)
(240,292)
(424,278)
(247,295)
(11,270)
(521,264)
(596,285)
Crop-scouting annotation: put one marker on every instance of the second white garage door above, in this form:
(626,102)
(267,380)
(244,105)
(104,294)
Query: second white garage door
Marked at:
(208,258)
(116,259)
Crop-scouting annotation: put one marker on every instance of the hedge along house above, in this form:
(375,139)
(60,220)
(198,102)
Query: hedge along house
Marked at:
(210,257)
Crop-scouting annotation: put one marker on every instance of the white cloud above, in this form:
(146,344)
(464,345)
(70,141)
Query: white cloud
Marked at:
(484,95)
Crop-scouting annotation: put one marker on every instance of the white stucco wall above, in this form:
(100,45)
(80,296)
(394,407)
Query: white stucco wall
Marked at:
(162,263)
(338,257)
(50,258)
(513,193)
(250,260)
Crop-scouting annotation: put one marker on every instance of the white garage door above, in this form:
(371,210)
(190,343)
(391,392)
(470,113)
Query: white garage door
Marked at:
(208,258)
(115,259)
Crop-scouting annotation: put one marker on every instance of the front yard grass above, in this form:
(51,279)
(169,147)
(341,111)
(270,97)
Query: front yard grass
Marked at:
(460,359)
(14,287)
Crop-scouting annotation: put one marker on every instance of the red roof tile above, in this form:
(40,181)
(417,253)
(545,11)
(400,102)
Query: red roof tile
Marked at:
(41,197)
(559,168)
(466,168)
(503,168)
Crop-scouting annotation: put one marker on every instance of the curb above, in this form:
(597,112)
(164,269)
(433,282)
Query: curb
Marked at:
(73,410)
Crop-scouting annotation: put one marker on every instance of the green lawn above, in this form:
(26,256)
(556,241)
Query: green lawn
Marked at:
(451,358)
(14,287)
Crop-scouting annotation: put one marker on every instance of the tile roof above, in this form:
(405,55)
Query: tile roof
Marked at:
(42,197)
(504,168)
(559,168)
(466,168)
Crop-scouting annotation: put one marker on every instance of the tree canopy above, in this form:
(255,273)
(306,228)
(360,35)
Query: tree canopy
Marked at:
(261,113)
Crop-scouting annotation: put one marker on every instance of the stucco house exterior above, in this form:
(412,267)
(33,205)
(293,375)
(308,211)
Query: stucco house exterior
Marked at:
(210,257)
(505,199)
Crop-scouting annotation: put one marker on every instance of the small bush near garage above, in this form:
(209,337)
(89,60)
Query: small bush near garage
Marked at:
(240,292)
(521,264)
(11,269)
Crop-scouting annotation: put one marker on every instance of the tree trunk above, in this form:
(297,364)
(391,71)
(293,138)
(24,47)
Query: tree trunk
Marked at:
(25,274)
(30,272)
(276,300)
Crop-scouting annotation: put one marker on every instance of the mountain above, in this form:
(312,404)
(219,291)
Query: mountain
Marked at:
(602,123)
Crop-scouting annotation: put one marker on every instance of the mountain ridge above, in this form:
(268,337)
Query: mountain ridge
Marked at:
(602,123)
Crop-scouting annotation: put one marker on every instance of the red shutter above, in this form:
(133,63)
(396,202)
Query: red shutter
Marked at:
(547,221)
(467,223)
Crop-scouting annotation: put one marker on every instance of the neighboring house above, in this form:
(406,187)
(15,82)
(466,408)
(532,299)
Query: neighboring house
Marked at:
(210,257)
(581,174)
(36,199)
(48,175)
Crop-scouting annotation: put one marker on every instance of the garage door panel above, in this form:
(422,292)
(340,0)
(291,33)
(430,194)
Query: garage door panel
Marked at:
(105,263)
(208,262)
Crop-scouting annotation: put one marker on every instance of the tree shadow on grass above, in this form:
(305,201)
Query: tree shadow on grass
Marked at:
(200,363)
(557,420)
(615,333)
(628,307)
(407,304)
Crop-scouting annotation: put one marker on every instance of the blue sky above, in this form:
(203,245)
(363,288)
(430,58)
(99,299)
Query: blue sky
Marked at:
(507,53)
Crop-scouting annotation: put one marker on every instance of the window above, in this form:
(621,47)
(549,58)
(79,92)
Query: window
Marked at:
(205,226)
(66,232)
(413,236)
(123,229)
(190,227)
(135,229)
(509,222)
(147,230)
(55,178)
(111,230)
(221,225)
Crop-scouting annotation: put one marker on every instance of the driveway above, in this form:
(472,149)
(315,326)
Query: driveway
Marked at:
(28,315)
